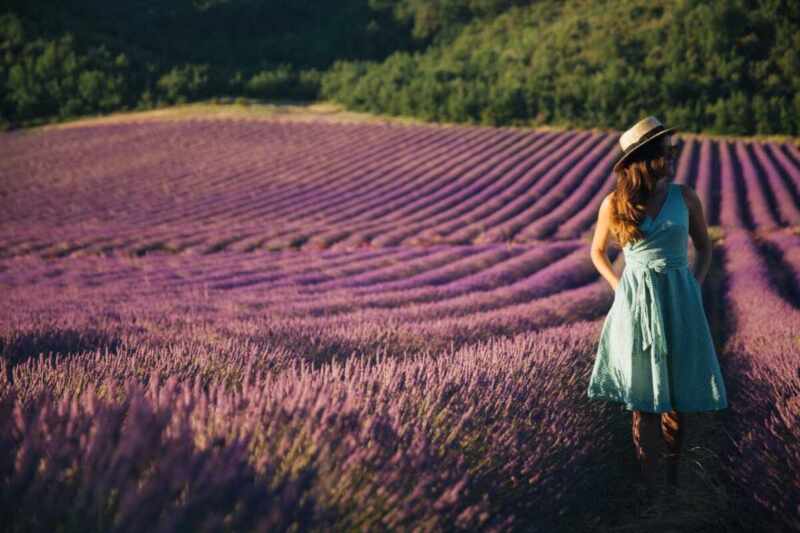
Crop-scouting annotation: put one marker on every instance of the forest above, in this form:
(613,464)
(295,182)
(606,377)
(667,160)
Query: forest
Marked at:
(724,66)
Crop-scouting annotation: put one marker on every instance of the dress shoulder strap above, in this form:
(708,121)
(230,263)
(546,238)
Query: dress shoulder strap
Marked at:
(678,191)
(682,210)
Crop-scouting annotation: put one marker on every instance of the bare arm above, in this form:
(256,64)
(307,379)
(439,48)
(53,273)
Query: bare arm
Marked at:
(699,232)
(600,242)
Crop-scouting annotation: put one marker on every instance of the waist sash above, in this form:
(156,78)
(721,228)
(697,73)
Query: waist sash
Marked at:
(646,304)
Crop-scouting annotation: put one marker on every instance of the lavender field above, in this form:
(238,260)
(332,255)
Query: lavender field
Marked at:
(263,325)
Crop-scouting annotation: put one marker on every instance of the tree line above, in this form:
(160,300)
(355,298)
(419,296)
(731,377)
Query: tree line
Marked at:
(722,66)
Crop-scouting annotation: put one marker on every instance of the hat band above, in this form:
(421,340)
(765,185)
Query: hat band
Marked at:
(642,139)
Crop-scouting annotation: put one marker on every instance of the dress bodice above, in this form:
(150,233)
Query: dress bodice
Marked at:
(666,236)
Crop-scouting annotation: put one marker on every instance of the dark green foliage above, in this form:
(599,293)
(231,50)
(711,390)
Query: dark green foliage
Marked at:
(443,18)
(64,59)
(722,66)
(727,66)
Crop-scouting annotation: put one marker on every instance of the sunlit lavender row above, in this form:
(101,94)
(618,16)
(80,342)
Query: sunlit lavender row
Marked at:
(204,186)
(317,306)
(762,365)
(487,436)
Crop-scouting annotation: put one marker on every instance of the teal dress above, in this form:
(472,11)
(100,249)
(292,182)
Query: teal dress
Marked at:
(655,352)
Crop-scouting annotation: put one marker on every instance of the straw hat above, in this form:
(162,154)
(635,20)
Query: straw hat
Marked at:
(640,134)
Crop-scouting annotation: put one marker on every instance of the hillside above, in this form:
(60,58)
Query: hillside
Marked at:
(725,67)
(718,67)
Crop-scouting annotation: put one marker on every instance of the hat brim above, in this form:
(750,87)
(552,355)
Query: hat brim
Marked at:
(633,149)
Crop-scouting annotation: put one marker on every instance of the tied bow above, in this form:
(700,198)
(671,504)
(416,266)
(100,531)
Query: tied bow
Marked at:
(647,309)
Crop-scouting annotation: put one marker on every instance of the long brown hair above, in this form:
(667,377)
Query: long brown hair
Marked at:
(635,184)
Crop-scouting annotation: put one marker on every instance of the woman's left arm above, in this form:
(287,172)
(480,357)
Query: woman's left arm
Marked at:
(699,233)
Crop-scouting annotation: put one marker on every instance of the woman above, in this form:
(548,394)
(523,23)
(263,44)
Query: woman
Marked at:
(655,352)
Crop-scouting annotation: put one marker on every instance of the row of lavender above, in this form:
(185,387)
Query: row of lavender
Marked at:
(350,397)
(762,365)
(486,437)
(325,305)
(207,186)
(402,284)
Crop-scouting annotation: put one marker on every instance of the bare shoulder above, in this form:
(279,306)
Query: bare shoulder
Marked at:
(605,205)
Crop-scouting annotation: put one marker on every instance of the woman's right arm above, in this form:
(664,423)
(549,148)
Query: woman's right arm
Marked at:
(600,242)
